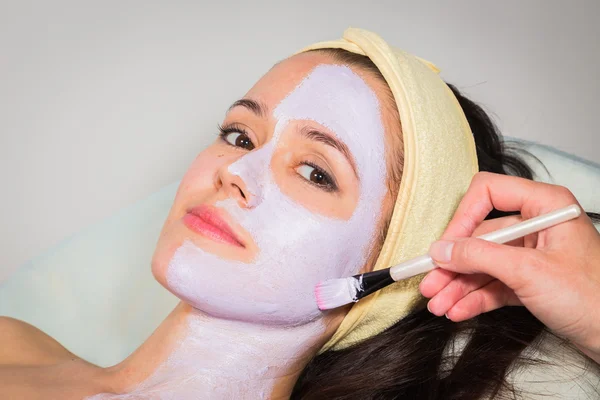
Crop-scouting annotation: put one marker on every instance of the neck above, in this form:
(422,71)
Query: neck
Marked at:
(194,355)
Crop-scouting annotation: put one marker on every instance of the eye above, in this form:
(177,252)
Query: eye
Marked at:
(236,137)
(316,176)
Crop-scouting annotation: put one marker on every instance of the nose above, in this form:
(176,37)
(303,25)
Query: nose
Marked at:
(233,186)
(246,179)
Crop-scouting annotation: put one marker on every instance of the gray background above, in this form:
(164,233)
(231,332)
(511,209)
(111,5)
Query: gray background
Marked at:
(103,103)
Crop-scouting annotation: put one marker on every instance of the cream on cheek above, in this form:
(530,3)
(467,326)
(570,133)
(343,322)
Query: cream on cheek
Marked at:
(298,248)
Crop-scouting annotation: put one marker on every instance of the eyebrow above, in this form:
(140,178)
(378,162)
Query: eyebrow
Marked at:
(329,140)
(260,109)
(256,107)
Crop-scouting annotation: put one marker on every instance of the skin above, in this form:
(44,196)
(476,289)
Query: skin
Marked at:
(554,273)
(267,202)
(32,359)
(33,365)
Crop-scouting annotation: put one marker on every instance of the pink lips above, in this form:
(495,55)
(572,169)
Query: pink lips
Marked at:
(206,221)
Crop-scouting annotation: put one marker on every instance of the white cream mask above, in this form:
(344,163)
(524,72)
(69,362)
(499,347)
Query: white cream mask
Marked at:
(252,344)
(297,247)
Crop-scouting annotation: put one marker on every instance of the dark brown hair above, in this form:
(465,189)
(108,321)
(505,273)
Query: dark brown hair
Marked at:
(415,358)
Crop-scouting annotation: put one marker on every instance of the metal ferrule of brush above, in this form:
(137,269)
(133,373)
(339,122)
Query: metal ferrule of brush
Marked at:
(372,281)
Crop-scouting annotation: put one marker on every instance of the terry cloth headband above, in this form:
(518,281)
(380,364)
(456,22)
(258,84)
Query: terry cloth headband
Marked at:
(439,163)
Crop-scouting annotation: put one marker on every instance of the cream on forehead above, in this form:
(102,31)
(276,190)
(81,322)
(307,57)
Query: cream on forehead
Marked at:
(297,247)
(335,97)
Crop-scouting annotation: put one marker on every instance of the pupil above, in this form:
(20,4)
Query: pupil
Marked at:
(243,141)
(317,177)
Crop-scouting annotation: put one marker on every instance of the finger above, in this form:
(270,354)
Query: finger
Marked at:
(488,298)
(491,225)
(515,266)
(439,278)
(435,281)
(529,241)
(461,286)
(495,224)
(506,193)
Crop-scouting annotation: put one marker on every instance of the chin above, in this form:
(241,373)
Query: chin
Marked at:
(158,271)
(160,263)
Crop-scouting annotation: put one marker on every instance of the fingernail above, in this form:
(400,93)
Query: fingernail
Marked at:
(428,309)
(441,251)
(447,315)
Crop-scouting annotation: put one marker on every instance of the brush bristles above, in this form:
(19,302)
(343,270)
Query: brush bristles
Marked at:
(336,292)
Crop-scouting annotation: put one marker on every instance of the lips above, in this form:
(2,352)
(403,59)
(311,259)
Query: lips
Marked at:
(206,221)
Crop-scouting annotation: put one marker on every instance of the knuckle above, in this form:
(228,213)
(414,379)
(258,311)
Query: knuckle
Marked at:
(467,223)
(565,193)
(480,177)
(480,302)
(457,289)
(470,250)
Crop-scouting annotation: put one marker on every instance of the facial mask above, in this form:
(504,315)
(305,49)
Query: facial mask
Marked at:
(297,248)
(267,312)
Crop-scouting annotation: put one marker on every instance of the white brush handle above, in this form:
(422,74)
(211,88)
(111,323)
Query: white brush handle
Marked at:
(424,263)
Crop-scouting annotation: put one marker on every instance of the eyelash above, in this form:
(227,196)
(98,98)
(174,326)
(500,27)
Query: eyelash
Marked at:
(329,186)
(226,130)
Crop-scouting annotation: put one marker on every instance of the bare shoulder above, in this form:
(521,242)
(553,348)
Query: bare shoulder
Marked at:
(24,344)
(35,366)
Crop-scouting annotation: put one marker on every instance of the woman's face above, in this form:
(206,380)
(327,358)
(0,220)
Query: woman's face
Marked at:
(289,195)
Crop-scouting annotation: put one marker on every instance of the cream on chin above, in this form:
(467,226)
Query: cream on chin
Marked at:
(298,248)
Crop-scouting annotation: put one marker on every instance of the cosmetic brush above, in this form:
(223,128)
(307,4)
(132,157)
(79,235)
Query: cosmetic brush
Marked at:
(335,293)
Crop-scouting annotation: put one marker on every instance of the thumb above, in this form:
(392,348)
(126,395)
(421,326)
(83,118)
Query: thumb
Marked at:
(511,265)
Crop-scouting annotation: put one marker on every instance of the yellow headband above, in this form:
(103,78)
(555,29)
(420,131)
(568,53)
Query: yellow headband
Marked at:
(439,162)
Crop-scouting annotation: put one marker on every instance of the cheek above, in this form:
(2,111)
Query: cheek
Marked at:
(196,186)
(201,173)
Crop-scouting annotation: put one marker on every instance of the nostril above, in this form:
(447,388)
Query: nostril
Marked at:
(241,192)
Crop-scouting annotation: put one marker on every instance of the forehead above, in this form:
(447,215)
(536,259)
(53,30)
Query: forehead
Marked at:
(311,87)
(285,76)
